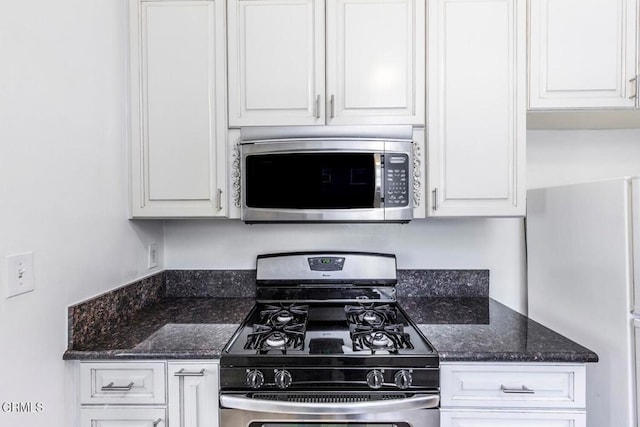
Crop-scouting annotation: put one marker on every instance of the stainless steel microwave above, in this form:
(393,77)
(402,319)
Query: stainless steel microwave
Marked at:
(327,174)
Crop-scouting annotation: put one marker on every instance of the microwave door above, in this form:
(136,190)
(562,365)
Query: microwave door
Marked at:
(314,186)
(314,181)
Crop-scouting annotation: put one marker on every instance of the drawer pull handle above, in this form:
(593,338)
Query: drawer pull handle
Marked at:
(111,387)
(523,390)
(156,422)
(183,373)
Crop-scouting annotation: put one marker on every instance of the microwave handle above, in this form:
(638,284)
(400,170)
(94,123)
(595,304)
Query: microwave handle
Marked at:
(378,189)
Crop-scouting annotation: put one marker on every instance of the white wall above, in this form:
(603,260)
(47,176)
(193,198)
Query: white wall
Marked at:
(63,185)
(573,156)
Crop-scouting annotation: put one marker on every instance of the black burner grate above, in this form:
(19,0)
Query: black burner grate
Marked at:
(281,328)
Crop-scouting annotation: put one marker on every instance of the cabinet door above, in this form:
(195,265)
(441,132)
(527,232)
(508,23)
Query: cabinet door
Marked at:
(276,62)
(583,53)
(122,417)
(178,108)
(193,394)
(512,419)
(477,108)
(375,61)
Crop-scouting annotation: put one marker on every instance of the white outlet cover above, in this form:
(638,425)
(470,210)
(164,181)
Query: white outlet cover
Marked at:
(19,268)
(153,255)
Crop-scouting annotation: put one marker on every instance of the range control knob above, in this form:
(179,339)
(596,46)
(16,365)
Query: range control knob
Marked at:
(255,379)
(375,379)
(403,379)
(283,378)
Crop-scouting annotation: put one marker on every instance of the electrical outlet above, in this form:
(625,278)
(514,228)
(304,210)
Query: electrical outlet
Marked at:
(153,255)
(19,274)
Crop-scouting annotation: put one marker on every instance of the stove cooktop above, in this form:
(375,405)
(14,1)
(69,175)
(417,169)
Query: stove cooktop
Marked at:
(326,334)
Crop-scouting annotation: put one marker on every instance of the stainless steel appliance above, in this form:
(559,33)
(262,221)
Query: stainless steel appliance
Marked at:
(327,174)
(327,345)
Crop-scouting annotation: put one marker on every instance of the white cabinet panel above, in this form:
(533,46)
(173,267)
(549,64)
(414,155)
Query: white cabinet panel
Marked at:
(122,417)
(276,62)
(513,395)
(511,419)
(375,58)
(583,53)
(178,107)
(193,394)
(476,133)
(636,330)
(122,383)
(516,385)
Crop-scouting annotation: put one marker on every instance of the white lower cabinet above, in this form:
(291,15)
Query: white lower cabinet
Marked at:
(193,394)
(147,394)
(513,394)
(123,417)
(511,419)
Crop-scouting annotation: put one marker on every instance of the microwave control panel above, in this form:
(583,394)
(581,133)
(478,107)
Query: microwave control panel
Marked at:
(396,180)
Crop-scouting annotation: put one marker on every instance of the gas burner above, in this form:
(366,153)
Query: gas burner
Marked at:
(276,340)
(371,314)
(279,316)
(281,328)
(265,338)
(388,338)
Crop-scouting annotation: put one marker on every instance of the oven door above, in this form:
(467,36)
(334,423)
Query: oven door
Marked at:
(329,410)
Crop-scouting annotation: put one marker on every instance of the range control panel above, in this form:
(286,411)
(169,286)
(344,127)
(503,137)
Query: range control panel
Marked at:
(326,263)
(396,180)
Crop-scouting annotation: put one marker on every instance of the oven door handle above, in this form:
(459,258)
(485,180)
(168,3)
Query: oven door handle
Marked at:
(421,401)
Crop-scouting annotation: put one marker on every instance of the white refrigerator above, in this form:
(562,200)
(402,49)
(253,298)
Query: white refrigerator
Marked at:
(583,245)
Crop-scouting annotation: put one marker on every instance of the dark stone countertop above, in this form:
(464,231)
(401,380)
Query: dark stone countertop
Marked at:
(173,328)
(461,329)
(483,330)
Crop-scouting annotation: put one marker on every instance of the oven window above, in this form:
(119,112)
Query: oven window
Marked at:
(310,181)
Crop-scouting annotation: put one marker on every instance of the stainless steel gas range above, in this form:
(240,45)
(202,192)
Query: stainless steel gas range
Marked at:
(327,345)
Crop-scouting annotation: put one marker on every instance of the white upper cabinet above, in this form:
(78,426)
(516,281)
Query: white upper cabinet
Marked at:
(375,50)
(178,104)
(373,55)
(583,54)
(276,62)
(477,108)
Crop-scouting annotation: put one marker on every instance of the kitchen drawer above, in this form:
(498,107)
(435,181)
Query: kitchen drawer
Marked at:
(513,385)
(122,383)
(123,417)
(512,419)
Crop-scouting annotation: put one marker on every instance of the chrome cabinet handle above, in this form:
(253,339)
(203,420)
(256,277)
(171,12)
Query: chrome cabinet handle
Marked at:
(183,373)
(434,193)
(333,106)
(111,387)
(635,92)
(317,107)
(523,390)
(219,200)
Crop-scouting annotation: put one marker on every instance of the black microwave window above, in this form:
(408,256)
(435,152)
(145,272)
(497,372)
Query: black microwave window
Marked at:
(310,181)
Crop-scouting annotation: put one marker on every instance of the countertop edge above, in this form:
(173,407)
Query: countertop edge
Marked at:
(500,357)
